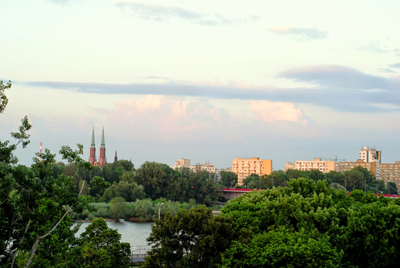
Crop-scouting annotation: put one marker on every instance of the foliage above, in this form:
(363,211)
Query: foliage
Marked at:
(193,238)
(118,208)
(102,247)
(6,150)
(283,248)
(229,179)
(38,205)
(161,181)
(3,97)
(355,226)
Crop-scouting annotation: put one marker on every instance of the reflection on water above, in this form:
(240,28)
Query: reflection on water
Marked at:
(135,233)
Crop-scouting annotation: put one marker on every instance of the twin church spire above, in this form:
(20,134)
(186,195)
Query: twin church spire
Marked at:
(102,158)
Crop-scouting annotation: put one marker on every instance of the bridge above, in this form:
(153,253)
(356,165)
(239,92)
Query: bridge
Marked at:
(138,253)
(231,193)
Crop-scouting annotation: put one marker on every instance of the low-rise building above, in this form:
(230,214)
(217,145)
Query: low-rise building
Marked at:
(182,162)
(317,163)
(244,167)
(289,166)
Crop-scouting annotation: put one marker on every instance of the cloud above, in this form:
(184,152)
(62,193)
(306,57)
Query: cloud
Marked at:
(337,87)
(303,33)
(395,65)
(386,70)
(268,111)
(376,47)
(338,77)
(162,13)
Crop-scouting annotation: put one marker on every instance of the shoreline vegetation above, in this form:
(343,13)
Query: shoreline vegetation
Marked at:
(144,210)
(135,219)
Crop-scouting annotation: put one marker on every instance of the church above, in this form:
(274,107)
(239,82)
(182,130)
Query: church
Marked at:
(102,158)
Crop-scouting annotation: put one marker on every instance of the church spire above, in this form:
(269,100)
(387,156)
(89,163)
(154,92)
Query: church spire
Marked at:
(116,156)
(103,144)
(92,157)
(93,145)
(102,159)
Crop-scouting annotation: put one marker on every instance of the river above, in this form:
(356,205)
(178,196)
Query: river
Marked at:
(135,233)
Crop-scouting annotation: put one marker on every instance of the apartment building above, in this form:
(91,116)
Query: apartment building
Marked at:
(390,173)
(317,163)
(345,166)
(289,166)
(244,167)
(369,155)
(182,162)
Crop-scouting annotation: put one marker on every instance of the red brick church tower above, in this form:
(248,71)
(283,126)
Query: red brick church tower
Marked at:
(102,159)
(92,158)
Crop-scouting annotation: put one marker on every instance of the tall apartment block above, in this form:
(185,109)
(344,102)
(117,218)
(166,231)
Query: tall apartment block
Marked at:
(317,163)
(244,167)
(369,155)
(390,173)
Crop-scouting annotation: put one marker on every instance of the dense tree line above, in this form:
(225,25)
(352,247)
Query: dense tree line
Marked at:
(357,178)
(306,224)
(143,209)
(151,180)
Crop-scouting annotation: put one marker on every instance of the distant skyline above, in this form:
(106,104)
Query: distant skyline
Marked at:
(207,81)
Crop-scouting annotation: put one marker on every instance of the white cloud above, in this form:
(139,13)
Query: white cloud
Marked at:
(303,33)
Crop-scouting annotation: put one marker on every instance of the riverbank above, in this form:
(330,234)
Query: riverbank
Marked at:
(107,220)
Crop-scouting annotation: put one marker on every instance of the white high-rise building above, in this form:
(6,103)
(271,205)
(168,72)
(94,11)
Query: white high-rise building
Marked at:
(369,155)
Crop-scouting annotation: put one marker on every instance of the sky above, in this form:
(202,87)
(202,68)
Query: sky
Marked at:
(204,80)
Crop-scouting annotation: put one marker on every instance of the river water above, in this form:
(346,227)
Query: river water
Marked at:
(135,233)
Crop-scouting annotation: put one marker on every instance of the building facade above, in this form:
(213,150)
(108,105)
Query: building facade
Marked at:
(182,162)
(244,167)
(317,163)
(390,173)
(369,155)
(346,166)
(289,166)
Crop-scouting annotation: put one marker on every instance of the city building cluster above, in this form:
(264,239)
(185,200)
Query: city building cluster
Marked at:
(368,158)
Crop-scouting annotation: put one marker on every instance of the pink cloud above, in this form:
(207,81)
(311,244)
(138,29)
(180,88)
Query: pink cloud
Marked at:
(269,111)
(168,118)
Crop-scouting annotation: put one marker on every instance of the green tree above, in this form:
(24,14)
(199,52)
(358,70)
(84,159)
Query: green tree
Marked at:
(22,137)
(392,188)
(275,179)
(3,97)
(118,208)
(229,179)
(283,248)
(335,177)
(102,247)
(354,179)
(193,238)
(40,203)
(295,174)
(316,175)
(252,182)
